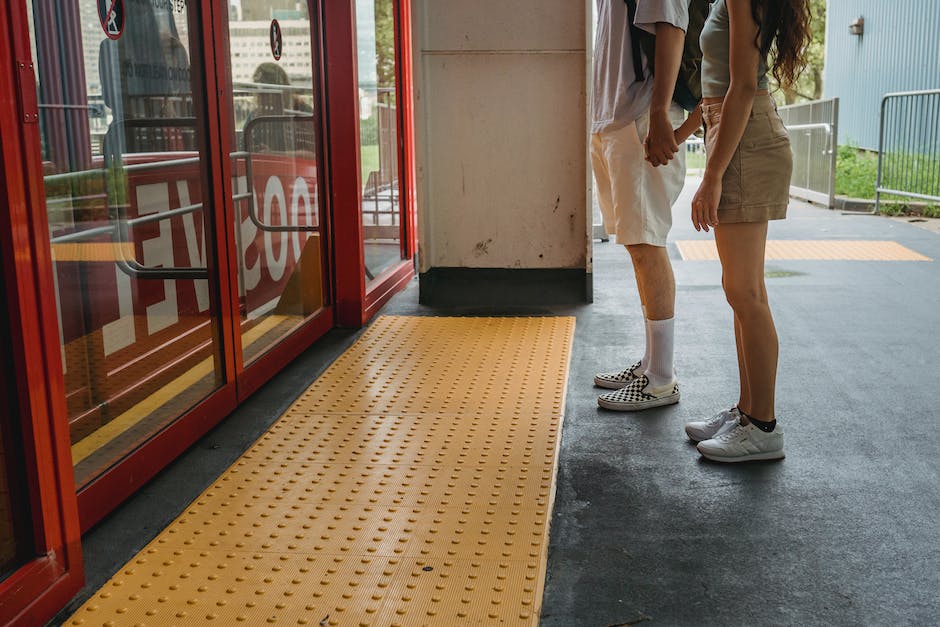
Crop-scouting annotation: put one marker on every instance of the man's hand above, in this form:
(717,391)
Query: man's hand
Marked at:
(660,141)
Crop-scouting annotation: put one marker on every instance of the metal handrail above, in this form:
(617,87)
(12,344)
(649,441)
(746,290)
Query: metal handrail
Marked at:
(120,226)
(803,127)
(879,189)
(814,157)
(247,153)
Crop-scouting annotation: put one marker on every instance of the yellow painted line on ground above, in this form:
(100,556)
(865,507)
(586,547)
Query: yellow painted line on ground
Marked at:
(102,436)
(823,250)
(426,502)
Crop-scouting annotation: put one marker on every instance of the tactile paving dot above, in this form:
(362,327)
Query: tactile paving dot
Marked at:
(411,484)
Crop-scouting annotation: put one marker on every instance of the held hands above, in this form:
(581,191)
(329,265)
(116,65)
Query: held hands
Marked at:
(705,204)
(661,146)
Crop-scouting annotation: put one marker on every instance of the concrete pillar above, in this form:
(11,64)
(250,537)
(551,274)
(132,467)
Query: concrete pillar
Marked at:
(502,139)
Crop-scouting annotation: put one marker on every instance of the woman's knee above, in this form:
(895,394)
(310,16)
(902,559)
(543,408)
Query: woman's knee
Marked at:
(745,297)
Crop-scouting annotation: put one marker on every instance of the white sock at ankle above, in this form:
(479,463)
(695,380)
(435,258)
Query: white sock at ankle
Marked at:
(660,346)
(645,362)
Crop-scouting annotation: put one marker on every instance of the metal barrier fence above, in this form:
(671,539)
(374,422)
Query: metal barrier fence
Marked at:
(813,128)
(909,146)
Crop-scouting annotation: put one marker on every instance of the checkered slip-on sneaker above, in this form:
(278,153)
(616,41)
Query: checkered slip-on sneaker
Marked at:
(617,380)
(639,394)
(701,430)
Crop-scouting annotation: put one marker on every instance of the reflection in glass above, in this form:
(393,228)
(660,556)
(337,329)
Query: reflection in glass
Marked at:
(276,176)
(123,153)
(378,135)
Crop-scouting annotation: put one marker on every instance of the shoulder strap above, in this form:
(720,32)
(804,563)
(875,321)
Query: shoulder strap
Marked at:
(635,41)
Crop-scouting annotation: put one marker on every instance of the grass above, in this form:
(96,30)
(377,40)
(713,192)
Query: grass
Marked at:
(857,173)
(695,160)
(370,160)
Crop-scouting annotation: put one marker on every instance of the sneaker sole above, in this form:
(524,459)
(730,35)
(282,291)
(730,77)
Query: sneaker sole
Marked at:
(611,385)
(658,402)
(755,457)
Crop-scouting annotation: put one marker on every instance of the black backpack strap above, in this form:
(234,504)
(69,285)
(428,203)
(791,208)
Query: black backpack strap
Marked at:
(635,41)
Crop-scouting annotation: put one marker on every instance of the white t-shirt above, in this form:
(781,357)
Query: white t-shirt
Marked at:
(618,98)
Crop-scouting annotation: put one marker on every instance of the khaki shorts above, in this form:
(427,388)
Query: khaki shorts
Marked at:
(635,198)
(756,185)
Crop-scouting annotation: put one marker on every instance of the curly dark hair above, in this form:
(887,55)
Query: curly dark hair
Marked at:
(784,28)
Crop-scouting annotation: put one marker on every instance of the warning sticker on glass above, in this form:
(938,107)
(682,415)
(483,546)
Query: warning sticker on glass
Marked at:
(111,16)
(277,40)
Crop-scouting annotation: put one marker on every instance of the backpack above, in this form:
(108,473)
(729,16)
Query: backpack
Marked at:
(688,90)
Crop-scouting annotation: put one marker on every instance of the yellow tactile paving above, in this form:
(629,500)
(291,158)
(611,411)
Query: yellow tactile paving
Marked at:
(832,250)
(411,484)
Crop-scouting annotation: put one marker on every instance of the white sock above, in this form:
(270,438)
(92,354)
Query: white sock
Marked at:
(645,362)
(660,346)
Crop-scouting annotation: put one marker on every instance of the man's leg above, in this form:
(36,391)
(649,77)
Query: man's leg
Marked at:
(605,157)
(657,287)
(655,280)
(643,198)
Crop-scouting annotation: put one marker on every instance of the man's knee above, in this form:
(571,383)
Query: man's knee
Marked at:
(647,255)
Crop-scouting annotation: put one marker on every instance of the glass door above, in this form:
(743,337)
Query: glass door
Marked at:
(274,129)
(380,152)
(123,122)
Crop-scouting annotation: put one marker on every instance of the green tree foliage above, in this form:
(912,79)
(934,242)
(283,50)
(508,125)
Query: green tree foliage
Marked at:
(385,46)
(810,84)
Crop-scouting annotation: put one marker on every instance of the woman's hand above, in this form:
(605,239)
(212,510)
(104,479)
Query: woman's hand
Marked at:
(705,204)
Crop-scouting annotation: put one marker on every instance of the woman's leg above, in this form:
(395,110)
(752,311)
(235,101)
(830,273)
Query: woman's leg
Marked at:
(741,250)
(744,400)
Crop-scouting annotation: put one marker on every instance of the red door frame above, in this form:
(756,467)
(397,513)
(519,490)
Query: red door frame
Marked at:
(36,590)
(355,304)
(256,374)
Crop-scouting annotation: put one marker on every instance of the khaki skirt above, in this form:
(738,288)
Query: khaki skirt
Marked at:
(756,185)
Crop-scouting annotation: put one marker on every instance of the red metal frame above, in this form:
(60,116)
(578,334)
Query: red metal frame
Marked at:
(395,280)
(339,26)
(406,95)
(355,304)
(252,376)
(34,592)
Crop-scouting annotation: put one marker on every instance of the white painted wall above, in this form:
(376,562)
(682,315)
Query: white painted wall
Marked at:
(501,124)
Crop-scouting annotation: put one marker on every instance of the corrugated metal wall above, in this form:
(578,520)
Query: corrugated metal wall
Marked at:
(900,51)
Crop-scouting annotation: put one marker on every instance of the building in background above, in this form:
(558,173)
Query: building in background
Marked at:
(873,48)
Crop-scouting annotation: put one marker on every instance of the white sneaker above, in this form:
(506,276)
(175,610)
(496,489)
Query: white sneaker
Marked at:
(701,430)
(639,394)
(743,443)
(617,380)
